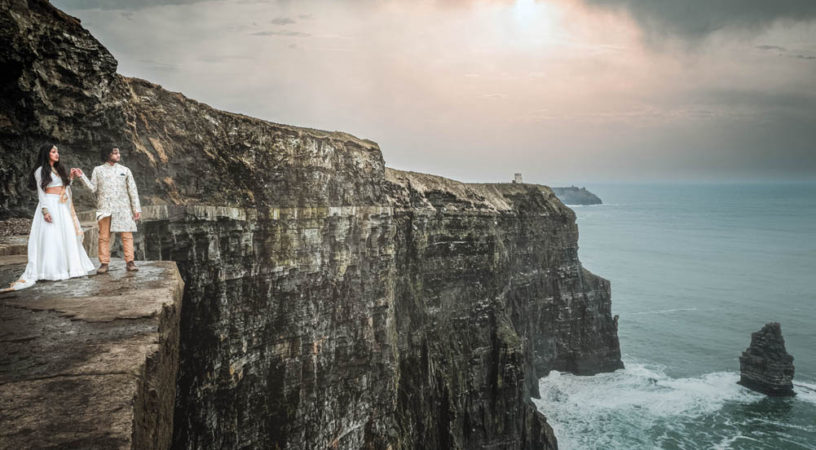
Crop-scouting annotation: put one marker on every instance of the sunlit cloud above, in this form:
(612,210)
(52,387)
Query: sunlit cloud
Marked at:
(568,90)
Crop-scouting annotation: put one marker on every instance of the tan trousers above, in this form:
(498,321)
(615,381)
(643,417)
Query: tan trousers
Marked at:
(105,241)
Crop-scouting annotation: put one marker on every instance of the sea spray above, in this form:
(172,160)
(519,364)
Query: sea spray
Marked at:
(643,407)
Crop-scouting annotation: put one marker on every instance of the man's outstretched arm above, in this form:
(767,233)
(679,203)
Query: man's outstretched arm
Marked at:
(92,183)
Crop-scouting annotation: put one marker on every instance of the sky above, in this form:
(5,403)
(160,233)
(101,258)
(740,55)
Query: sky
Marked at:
(562,91)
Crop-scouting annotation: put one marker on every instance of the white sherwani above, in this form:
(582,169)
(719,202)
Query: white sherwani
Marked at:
(116,195)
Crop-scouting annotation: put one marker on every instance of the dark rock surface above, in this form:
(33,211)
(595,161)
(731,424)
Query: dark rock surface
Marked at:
(17,226)
(425,322)
(765,366)
(574,195)
(329,301)
(91,362)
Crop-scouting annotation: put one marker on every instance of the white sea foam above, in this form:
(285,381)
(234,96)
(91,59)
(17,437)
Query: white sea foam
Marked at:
(805,391)
(642,407)
(729,441)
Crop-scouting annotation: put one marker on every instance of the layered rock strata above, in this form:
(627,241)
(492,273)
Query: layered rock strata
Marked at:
(90,362)
(765,366)
(425,322)
(329,301)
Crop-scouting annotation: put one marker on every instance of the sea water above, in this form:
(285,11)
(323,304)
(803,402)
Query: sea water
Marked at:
(695,269)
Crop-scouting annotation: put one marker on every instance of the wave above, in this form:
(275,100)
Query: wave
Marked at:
(805,391)
(642,407)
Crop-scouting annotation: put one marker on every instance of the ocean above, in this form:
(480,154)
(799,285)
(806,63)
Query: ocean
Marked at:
(695,269)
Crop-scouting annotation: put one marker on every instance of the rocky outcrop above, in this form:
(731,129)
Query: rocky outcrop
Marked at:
(90,362)
(765,366)
(576,196)
(329,301)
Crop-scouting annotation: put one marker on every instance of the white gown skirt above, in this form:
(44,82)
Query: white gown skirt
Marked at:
(55,251)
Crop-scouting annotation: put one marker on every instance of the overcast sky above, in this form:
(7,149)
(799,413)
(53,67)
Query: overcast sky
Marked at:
(564,91)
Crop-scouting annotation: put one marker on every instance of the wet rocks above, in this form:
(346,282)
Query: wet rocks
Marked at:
(765,366)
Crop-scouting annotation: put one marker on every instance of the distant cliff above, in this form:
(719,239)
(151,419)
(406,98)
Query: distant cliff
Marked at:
(576,196)
(329,301)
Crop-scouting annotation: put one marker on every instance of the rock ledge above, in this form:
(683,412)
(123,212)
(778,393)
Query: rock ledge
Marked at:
(91,362)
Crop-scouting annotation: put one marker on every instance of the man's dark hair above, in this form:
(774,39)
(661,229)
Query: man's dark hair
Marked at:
(106,152)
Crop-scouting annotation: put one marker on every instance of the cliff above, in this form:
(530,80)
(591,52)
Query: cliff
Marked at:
(90,362)
(329,301)
(576,196)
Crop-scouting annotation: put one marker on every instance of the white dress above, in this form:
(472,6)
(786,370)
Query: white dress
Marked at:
(55,249)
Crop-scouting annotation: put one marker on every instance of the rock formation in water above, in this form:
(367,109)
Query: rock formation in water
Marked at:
(329,301)
(576,196)
(765,366)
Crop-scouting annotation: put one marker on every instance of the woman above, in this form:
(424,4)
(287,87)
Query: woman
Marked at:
(55,249)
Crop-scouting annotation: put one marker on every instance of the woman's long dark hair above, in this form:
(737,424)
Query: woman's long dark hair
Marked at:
(43,161)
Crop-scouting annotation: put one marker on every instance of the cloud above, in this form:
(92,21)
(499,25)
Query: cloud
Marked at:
(282,21)
(771,47)
(785,52)
(222,58)
(158,66)
(118,4)
(470,92)
(696,19)
(281,33)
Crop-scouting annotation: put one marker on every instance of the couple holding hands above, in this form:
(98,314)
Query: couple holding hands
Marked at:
(55,250)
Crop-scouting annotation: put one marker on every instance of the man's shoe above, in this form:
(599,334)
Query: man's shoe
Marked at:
(131,266)
(103,268)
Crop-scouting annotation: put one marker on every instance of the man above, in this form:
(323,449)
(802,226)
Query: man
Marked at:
(117,206)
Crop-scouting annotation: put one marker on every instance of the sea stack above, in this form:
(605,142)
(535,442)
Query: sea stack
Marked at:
(765,366)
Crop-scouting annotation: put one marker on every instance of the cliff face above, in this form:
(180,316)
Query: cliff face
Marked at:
(425,322)
(489,296)
(329,301)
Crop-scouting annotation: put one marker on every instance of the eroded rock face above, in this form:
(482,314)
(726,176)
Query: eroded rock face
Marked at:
(765,366)
(329,301)
(424,322)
